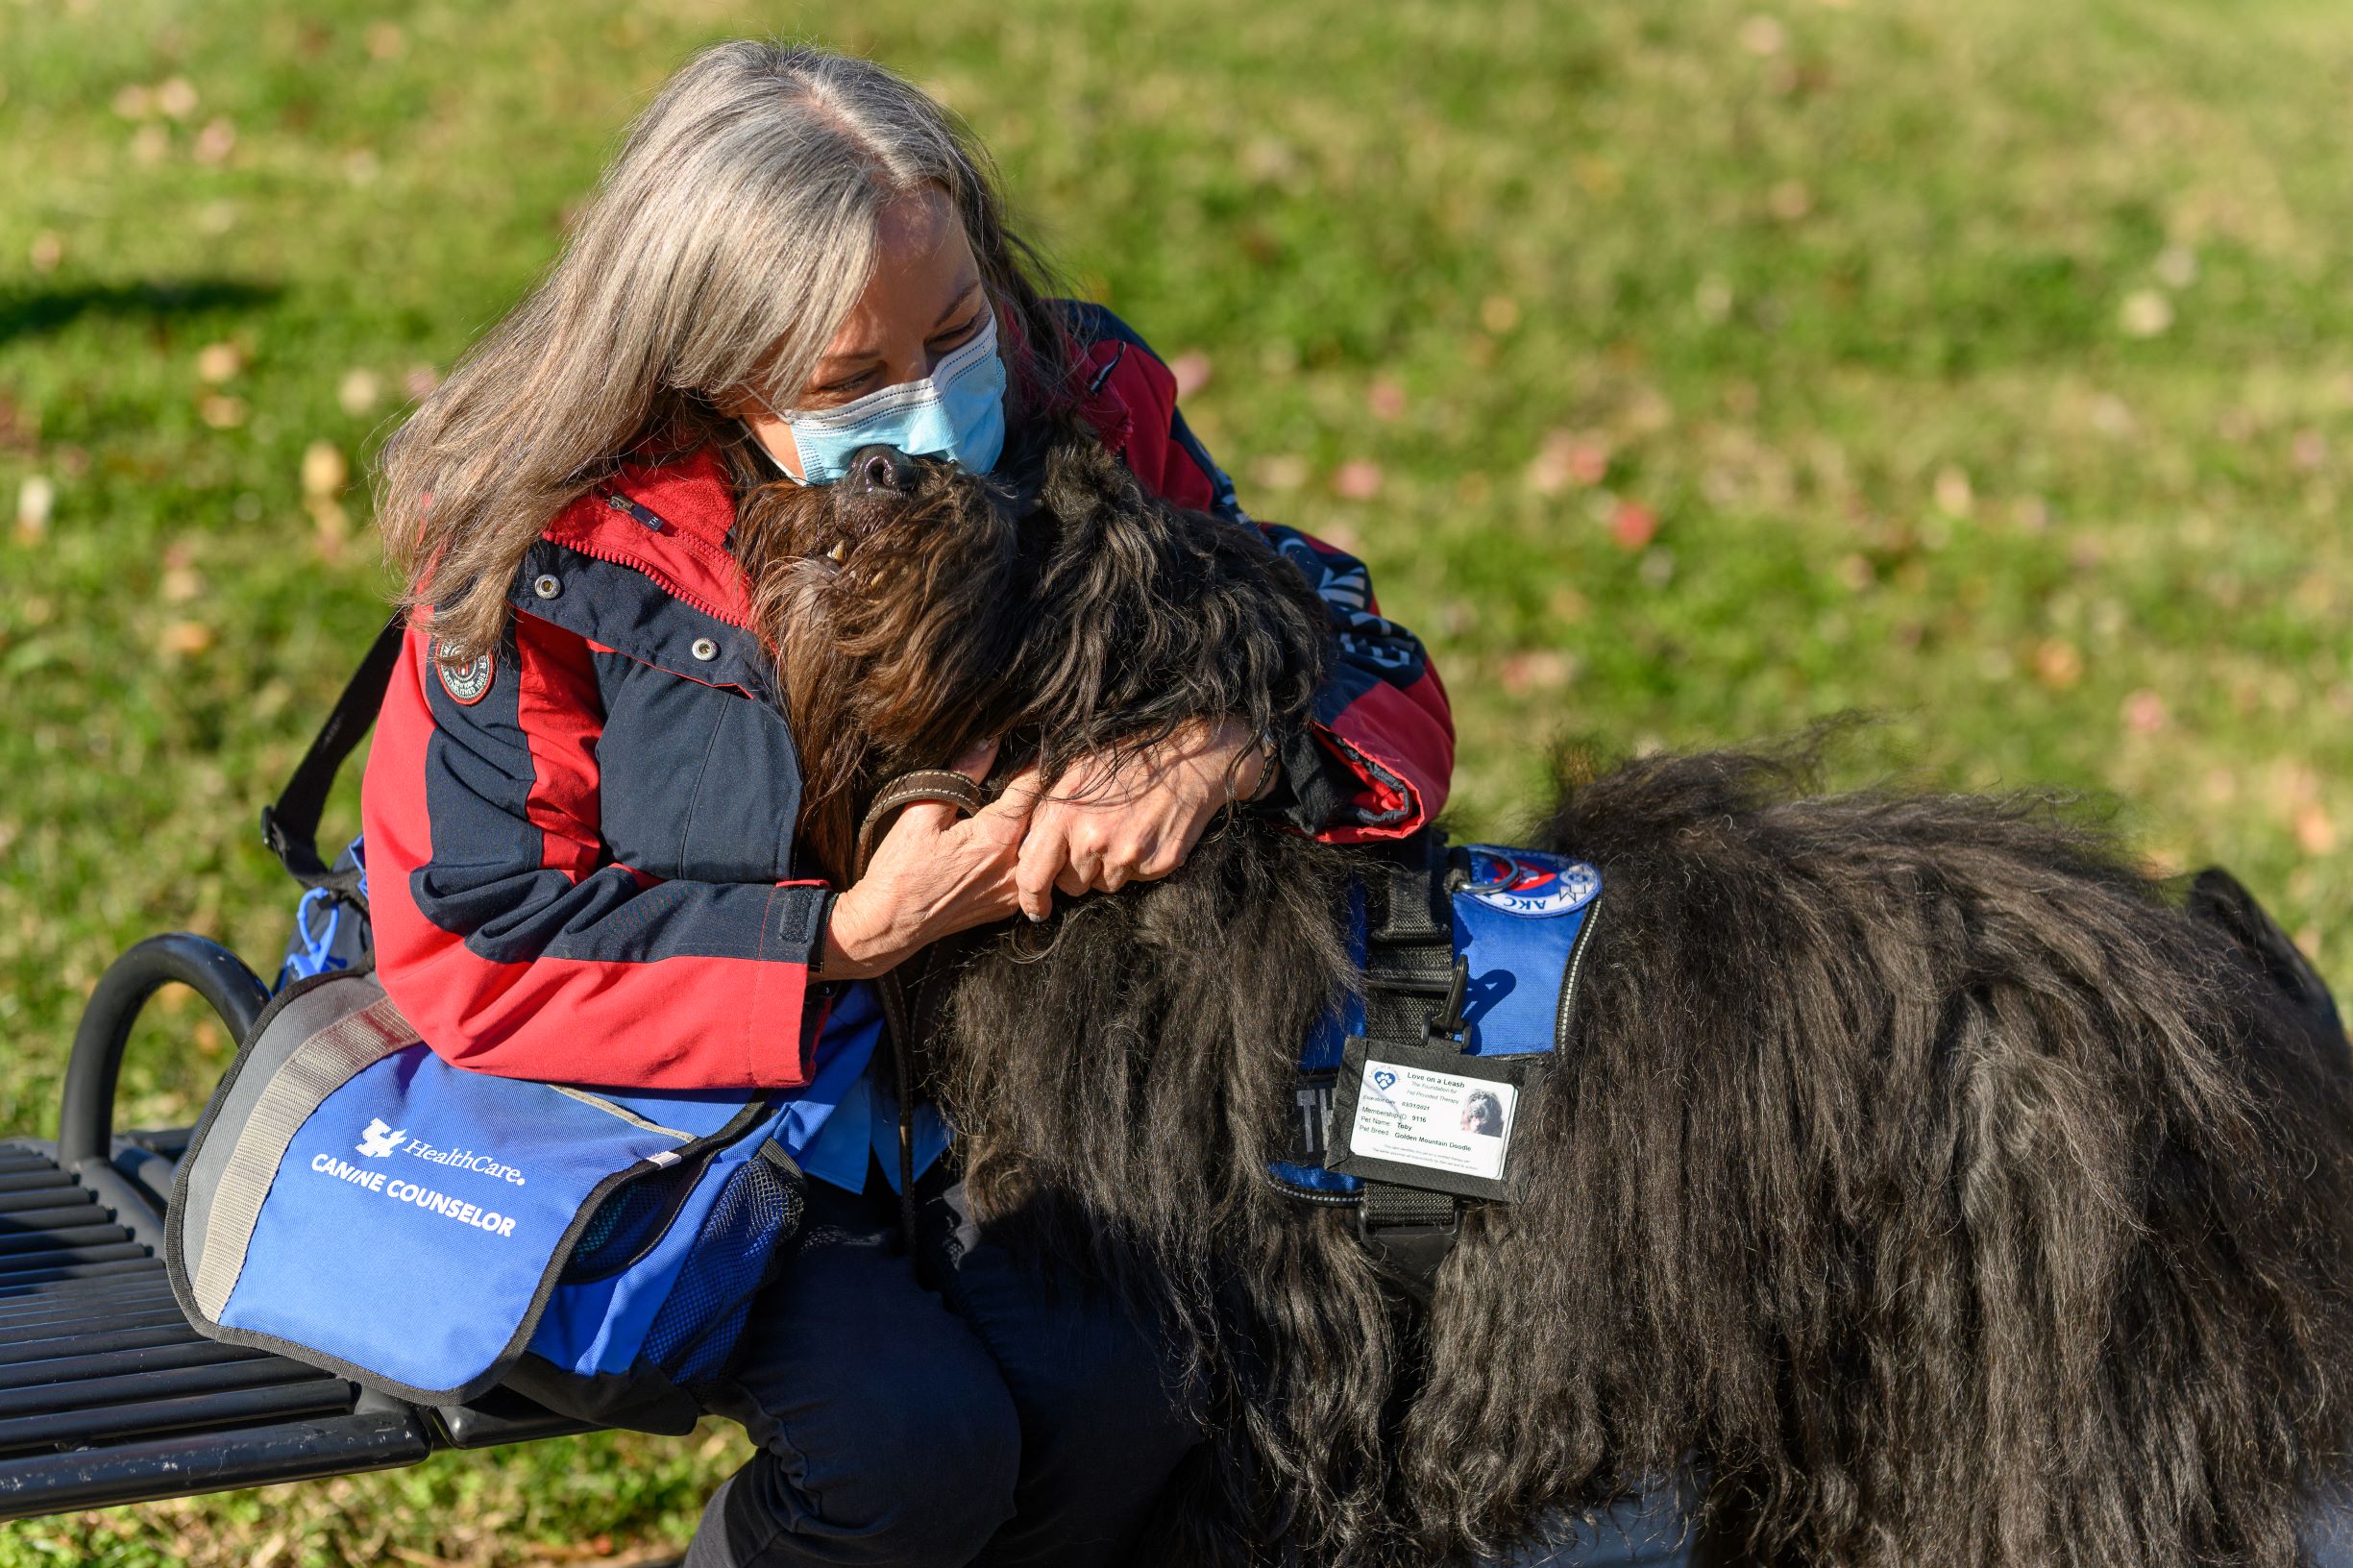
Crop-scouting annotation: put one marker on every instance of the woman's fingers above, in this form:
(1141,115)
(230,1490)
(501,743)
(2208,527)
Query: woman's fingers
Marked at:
(977,760)
(1044,852)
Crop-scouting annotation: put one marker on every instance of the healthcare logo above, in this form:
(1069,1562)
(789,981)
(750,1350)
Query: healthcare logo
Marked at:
(1387,1080)
(380,1140)
(1529,882)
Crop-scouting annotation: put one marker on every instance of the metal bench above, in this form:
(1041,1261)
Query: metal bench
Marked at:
(106,1394)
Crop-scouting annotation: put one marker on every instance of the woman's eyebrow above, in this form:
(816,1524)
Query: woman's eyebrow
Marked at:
(957,303)
(836,363)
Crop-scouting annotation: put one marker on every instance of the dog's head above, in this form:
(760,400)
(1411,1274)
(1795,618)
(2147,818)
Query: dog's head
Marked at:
(917,610)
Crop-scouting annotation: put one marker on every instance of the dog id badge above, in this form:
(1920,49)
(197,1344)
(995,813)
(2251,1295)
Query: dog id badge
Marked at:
(1427,1115)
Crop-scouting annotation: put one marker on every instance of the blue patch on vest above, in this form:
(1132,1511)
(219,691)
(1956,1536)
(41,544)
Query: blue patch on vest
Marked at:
(1517,925)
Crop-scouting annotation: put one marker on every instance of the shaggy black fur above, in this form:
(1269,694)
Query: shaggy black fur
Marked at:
(1923,1171)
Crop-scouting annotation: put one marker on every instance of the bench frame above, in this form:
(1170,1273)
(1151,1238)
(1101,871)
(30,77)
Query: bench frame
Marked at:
(107,1395)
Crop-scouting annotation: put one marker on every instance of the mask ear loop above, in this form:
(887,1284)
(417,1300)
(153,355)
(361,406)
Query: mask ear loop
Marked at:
(769,409)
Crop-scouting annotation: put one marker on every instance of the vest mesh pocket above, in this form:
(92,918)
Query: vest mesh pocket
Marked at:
(629,1220)
(740,1248)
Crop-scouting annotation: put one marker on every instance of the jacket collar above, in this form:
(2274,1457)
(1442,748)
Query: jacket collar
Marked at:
(669,521)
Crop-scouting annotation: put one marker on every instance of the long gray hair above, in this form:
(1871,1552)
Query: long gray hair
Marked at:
(724,247)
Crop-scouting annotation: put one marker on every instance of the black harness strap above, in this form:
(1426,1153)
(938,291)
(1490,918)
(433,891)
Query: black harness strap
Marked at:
(290,827)
(1413,993)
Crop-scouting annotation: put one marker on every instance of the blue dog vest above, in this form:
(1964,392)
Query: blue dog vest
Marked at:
(1414,1082)
(354,1201)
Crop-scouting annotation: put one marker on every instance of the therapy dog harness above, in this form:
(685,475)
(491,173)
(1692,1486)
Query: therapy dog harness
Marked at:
(1409,1094)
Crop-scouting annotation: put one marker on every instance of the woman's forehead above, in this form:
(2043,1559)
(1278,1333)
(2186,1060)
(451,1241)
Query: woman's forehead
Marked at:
(924,270)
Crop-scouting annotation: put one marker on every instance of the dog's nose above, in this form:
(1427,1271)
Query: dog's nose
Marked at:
(880,468)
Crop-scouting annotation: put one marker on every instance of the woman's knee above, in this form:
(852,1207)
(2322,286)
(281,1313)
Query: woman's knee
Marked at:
(928,1478)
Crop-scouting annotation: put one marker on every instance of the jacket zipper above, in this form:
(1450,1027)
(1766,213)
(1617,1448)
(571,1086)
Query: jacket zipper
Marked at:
(613,558)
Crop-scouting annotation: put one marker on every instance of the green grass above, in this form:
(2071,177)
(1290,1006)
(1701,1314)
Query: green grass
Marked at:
(1986,367)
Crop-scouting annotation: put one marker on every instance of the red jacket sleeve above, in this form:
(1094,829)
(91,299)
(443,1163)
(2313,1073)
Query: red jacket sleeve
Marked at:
(506,933)
(1378,753)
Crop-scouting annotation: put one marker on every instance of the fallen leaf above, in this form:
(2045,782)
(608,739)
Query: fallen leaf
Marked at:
(1357,480)
(36,497)
(1632,525)
(1498,313)
(1279,471)
(324,470)
(1763,36)
(176,96)
(358,391)
(217,362)
(222,413)
(2145,313)
(1954,496)
(180,584)
(2058,663)
(2316,831)
(215,141)
(386,41)
(1191,370)
(1540,670)
(187,637)
(1567,457)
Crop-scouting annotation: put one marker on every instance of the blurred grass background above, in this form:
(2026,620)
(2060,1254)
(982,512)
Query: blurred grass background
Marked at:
(1686,371)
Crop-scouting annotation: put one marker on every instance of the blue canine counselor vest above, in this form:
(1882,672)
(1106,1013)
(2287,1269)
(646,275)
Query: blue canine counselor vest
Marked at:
(353,1201)
(1409,1094)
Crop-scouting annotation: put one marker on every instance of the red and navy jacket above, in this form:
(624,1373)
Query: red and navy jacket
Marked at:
(580,851)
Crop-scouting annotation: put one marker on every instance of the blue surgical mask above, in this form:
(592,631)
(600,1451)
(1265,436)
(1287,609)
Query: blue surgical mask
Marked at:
(956,412)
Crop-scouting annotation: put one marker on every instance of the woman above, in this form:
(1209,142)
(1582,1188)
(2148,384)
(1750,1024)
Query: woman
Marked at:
(580,806)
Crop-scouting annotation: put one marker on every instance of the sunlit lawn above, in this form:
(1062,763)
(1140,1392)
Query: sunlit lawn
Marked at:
(1686,371)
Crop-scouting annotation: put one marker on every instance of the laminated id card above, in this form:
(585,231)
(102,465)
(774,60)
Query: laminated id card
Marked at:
(1424,1117)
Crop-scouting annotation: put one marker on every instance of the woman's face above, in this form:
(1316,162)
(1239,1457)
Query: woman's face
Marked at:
(924,302)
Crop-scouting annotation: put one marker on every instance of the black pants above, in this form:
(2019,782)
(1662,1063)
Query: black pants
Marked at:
(1001,1420)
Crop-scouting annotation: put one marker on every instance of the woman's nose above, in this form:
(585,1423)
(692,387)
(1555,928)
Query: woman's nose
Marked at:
(880,469)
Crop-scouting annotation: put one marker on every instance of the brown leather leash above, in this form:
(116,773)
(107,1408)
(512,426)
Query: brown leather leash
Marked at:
(900,1011)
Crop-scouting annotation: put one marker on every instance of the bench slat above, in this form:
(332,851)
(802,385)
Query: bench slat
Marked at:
(144,1389)
(69,1236)
(210,1461)
(123,1291)
(157,1331)
(10,1279)
(317,1394)
(69,1360)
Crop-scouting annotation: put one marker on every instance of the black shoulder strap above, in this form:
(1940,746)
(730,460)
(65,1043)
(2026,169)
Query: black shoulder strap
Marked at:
(290,827)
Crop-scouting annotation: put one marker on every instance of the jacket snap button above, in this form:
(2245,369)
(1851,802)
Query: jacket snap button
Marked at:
(705,648)
(545,586)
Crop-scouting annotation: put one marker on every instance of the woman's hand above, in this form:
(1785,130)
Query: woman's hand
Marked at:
(1108,824)
(931,876)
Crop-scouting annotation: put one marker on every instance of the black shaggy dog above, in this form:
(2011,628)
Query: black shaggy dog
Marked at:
(1924,1173)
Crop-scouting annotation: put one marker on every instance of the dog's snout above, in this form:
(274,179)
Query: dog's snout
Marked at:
(884,468)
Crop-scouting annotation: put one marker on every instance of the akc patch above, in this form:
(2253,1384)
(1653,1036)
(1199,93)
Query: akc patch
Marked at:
(466,683)
(1529,882)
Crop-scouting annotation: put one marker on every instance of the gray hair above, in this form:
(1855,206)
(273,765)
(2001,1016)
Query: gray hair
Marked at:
(725,244)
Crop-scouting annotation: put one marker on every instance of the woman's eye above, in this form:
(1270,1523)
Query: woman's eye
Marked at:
(956,335)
